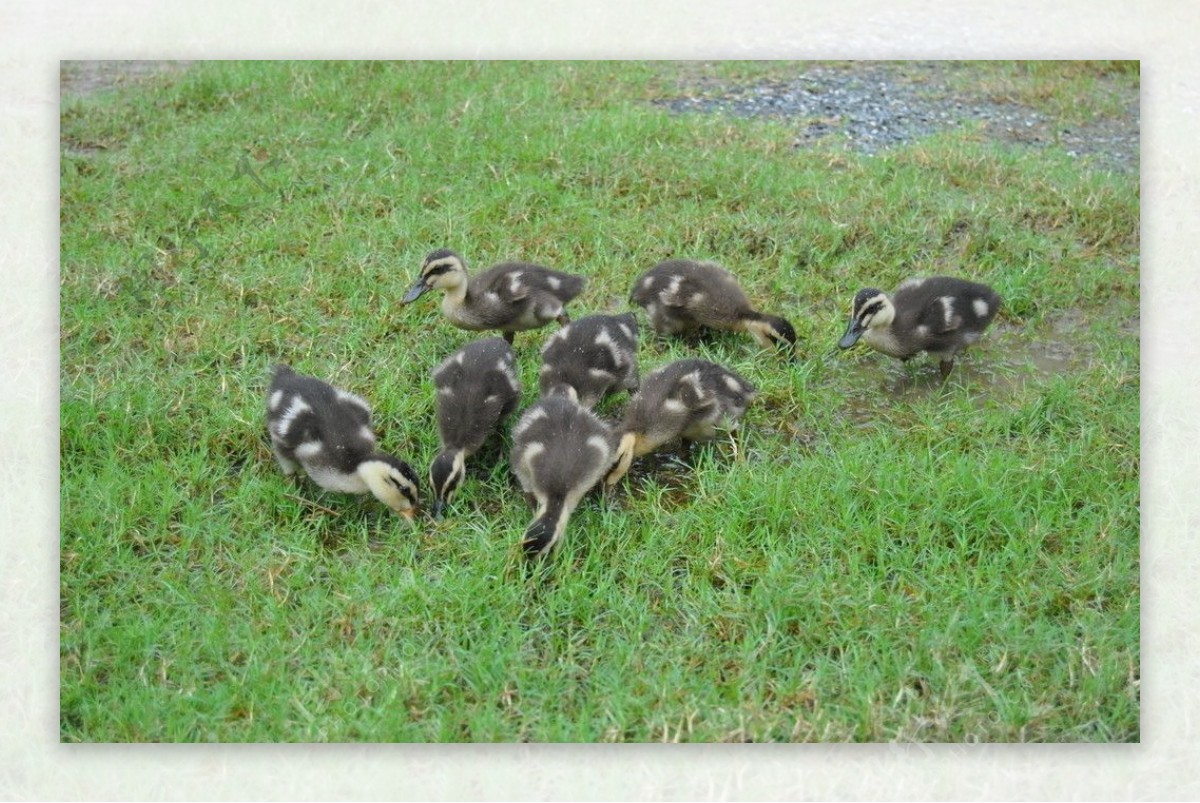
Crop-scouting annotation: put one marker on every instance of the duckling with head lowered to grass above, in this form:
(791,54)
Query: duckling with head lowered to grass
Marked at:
(940,315)
(591,357)
(560,451)
(686,399)
(509,297)
(328,431)
(477,388)
(682,296)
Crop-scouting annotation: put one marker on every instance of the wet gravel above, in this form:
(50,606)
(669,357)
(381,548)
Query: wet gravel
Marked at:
(868,108)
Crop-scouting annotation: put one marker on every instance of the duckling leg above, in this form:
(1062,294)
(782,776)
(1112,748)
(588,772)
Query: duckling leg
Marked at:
(563,319)
(508,336)
(944,367)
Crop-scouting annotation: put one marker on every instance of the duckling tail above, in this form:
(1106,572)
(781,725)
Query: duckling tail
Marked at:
(546,529)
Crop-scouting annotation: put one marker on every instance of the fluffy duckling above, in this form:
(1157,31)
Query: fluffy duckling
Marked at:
(681,295)
(560,450)
(477,388)
(589,358)
(686,399)
(328,431)
(940,315)
(510,297)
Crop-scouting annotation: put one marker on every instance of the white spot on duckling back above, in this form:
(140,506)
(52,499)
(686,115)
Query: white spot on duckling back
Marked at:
(732,384)
(529,419)
(297,407)
(626,330)
(308,450)
(604,339)
(276,399)
(351,398)
(948,308)
(909,283)
(554,282)
(366,434)
(980,306)
(600,443)
(674,406)
(530,451)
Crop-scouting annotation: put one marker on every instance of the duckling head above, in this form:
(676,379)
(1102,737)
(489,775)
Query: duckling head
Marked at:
(771,331)
(442,269)
(446,474)
(393,482)
(871,309)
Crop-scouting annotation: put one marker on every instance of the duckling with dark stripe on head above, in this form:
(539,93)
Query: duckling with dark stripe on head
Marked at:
(560,451)
(328,431)
(477,388)
(509,297)
(940,315)
(590,358)
(681,296)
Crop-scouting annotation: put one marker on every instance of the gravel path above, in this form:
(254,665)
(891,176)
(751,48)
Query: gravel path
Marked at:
(873,106)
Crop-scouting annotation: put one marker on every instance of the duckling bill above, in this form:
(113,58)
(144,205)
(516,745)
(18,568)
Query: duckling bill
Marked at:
(940,315)
(327,431)
(509,297)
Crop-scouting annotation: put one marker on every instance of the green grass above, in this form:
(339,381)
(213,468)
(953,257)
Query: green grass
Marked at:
(870,558)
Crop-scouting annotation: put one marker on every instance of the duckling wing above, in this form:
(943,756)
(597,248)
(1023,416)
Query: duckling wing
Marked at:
(514,282)
(939,316)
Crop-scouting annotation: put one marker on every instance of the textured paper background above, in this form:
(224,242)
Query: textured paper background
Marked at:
(34,36)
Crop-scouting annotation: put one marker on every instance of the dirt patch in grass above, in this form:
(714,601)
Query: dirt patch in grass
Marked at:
(82,78)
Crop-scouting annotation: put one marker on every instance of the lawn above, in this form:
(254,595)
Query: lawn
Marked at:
(872,557)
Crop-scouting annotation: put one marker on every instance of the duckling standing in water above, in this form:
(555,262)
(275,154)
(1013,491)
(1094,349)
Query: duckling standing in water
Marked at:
(589,358)
(560,451)
(510,297)
(681,296)
(477,388)
(686,399)
(328,431)
(940,315)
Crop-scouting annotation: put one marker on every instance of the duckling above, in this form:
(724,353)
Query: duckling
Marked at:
(940,315)
(560,451)
(589,358)
(681,295)
(477,388)
(328,431)
(686,399)
(510,297)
